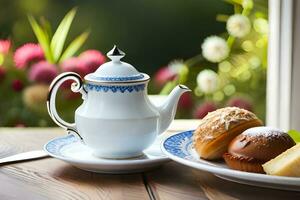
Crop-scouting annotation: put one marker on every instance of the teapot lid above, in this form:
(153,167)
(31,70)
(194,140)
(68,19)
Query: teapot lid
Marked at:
(116,71)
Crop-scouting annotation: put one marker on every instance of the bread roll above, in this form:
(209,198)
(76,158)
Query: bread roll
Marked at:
(218,128)
(255,146)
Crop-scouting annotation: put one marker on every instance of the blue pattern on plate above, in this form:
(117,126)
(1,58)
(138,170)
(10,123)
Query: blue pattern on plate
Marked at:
(180,144)
(55,145)
(123,78)
(115,88)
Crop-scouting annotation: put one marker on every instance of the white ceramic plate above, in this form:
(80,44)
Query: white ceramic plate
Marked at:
(71,150)
(178,147)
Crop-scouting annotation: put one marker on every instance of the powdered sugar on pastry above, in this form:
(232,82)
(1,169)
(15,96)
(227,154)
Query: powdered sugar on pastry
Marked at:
(263,131)
(218,128)
(219,121)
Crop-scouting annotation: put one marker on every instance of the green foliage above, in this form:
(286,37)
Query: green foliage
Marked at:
(24,100)
(295,135)
(53,46)
(74,46)
(60,35)
(243,72)
(181,78)
(42,37)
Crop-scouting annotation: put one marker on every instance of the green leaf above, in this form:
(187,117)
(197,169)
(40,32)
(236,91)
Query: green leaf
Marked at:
(234,1)
(74,46)
(42,38)
(183,74)
(194,61)
(46,26)
(168,87)
(60,35)
(222,18)
(295,135)
(1,59)
(230,41)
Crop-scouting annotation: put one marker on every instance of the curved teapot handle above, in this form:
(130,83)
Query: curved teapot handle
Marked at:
(76,86)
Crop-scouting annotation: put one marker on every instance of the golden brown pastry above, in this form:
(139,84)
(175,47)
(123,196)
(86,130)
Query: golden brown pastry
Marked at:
(218,128)
(286,164)
(255,146)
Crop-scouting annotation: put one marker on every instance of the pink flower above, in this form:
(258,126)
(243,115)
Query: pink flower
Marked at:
(74,65)
(163,75)
(204,108)
(186,101)
(2,73)
(43,72)
(240,102)
(17,85)
(4,46)
(27,54)
(92,59)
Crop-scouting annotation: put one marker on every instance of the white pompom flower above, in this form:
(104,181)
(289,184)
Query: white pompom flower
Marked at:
(215,49)
(176,66)
(238,25)
(208,81)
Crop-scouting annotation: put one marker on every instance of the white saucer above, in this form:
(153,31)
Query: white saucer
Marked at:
(71,150)
(178,147)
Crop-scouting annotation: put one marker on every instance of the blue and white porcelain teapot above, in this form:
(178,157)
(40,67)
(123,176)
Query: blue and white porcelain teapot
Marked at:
(116,118)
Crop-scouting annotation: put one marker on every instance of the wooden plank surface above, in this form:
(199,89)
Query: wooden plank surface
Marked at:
(53,179)
(175,181)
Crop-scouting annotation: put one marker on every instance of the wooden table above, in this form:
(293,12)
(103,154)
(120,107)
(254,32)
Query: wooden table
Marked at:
(53,179)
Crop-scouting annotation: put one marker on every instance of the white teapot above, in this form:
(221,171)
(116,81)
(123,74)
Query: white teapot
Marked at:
(116,118)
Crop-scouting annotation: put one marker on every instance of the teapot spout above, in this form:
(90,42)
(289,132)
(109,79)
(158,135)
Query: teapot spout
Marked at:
(167,110)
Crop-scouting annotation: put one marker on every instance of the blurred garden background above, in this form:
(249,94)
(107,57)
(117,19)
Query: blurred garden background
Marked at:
(217,48)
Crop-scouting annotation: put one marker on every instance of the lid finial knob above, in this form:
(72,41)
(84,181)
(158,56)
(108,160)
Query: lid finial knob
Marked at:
(115,54)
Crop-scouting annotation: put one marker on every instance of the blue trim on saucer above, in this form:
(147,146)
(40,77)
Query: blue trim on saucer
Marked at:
(180,144)
(55,145)
(114,88)
(121,78)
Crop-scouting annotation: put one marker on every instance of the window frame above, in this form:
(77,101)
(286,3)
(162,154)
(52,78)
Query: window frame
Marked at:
(280,64)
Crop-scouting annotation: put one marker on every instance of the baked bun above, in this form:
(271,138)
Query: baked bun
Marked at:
(255,146)
(218,128)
